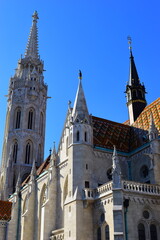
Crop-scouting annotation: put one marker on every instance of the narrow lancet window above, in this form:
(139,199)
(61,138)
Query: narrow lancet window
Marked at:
(18,118)
(107,233)
(30,119)
(28,153)
(141,232)
(15,150)
(85,136)
(77,136)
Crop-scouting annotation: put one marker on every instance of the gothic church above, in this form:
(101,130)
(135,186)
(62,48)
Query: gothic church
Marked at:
(103,182)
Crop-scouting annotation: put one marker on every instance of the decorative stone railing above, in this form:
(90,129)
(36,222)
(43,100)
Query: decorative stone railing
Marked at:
(141,187)
(91,194)
(94,193)
(57,234)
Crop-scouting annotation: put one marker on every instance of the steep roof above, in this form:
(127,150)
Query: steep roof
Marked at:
(107,133)
(143,120)
(5,210)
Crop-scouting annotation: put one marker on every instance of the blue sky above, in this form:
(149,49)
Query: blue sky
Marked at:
(89,35)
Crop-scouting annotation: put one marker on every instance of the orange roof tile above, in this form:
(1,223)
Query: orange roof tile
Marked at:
(5,210)
(143,120)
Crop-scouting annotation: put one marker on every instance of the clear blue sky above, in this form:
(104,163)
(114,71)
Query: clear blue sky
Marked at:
(89,35)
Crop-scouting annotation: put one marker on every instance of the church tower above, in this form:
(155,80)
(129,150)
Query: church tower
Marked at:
(25,120)
(135,91)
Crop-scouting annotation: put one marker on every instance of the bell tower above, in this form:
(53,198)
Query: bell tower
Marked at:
(135,91)
(25,120)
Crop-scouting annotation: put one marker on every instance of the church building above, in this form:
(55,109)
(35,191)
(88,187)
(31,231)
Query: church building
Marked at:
(103,181)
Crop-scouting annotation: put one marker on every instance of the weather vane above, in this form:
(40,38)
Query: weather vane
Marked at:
(130,42)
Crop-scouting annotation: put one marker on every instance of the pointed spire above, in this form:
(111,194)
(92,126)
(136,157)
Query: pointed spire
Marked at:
(53,156)
(116,172)
(80,106)
(153,132)
(133,74)
(32,46)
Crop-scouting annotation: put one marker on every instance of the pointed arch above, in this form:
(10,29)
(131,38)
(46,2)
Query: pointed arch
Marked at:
(141,232)
(153,232)
(17,118)
(77,136)
(31,118)
(15,151)
(28,152)
(107,235)
(98,233)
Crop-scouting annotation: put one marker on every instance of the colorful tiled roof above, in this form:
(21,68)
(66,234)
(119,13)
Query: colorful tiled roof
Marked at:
(143,120)
(108,133)
(5,210)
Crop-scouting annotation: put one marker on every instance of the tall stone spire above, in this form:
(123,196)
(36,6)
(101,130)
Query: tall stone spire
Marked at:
(32,46)
(80,106)
(26,113)
(135,91)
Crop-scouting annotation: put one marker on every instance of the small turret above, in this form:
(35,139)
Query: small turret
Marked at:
(153,132)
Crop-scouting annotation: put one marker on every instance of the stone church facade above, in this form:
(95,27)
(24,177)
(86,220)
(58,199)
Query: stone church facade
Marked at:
(103,182)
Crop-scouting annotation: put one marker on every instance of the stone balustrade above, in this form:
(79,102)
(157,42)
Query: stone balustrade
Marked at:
(127,186)
(141,187)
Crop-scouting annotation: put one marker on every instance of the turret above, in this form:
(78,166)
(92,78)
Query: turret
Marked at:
(135,91)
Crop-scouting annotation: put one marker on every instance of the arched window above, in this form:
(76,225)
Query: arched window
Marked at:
(17,118)
(41,124)
(153,232)
(107,232)
(85,136)
(30,119)
(141,232)
(28,153)
(77,136)
(15,150)
(99,233)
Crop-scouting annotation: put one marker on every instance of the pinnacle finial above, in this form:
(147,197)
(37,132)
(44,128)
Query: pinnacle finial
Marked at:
(35,16)
(32,46)
(130,43)
(80,75)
